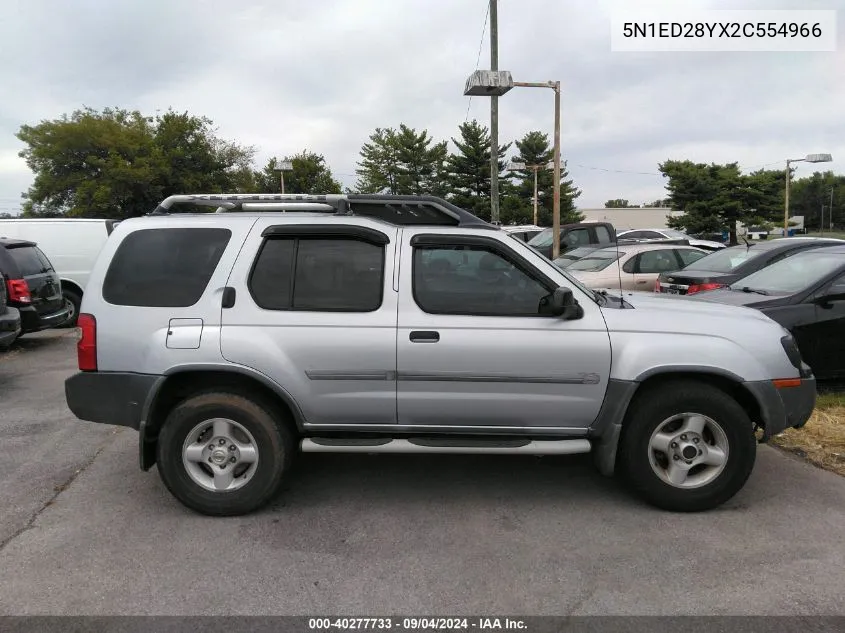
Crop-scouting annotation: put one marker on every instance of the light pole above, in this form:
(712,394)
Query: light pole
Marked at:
(495,83)
(517,166)
(809,158)
(282,167)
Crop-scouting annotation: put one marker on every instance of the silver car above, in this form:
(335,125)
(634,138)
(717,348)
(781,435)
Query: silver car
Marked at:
(632,267)
(234,340)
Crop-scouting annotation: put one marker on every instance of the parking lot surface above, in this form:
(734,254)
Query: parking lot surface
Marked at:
(84,531)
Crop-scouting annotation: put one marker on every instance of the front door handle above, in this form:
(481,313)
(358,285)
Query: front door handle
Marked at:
(642,281)
(424,336)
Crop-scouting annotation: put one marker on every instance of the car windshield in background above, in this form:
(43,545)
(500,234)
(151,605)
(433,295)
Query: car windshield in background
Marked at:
(676,235)
(542,240)
(574,254)
(596,261)
(725,260)
(30,260)
(792,274)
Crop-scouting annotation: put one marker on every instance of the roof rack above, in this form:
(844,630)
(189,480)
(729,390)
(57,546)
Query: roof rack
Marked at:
(398,210)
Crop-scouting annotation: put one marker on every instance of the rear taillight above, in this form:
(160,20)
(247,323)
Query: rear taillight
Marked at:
(656,285)
(18,291)
(702,287)
(86,348)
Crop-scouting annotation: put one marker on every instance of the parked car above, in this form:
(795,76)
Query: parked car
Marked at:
(524,232)
(670,234)
(573,236)
(565,260)
(32,286)
(633,266)
(724,267)
(10,318)
(232,341)
(71,244)
(805,293)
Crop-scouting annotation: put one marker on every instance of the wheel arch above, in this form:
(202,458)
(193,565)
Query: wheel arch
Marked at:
(607,429)
(184,381)
(70,284)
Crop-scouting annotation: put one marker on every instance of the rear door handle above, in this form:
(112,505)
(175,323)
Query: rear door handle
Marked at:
(424,336)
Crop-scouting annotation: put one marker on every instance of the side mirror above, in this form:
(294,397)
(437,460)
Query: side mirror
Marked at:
(565,305)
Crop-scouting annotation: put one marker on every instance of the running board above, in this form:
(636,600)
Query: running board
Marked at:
(432,445)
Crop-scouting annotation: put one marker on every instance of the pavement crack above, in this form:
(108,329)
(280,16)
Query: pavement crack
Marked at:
(57,490)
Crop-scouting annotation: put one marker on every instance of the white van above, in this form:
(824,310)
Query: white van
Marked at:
(71,245)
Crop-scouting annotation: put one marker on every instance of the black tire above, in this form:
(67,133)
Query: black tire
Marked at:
(652,408)
(275,444)
(74,299)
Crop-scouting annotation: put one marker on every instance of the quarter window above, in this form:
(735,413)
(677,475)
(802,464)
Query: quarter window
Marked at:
(164,268)
(475,280)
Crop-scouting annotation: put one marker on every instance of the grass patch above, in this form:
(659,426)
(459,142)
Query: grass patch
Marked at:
(822,440)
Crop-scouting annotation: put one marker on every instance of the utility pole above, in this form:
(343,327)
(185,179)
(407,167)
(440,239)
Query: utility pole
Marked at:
(494,116)
(830,209)
(556,208)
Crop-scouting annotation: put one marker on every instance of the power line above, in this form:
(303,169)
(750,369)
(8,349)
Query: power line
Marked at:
(617,171)
(478,57)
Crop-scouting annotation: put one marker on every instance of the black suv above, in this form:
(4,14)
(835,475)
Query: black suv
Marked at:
(32,285)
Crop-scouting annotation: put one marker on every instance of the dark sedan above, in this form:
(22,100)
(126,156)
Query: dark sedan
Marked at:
(724,267)
(805,293)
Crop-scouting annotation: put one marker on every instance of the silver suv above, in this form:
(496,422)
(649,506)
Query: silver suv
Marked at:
(401,324)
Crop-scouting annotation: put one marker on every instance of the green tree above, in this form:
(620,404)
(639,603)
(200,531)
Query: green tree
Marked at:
(534,149)
(619,203)
(715,197)
(656,204)
(467,172)
(116,163)
(401,162)
(310,174)
(808,195)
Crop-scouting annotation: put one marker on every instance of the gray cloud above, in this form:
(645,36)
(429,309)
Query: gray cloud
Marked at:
(283,76)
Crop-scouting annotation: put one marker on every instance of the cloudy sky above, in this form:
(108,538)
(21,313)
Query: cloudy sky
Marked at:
(284,75)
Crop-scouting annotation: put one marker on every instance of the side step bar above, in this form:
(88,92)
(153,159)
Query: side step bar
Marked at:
(455,446)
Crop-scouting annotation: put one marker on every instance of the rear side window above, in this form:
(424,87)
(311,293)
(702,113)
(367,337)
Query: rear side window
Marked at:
(30,260)
(164,268)
(331,274)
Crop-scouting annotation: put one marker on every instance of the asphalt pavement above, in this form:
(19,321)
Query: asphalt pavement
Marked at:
(84,531)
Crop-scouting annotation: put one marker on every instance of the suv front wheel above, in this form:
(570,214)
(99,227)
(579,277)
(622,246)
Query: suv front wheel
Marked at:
(687,446)
(222,454)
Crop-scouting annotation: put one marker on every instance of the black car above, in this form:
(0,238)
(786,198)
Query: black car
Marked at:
(805,293)
(724,267)
(10,318)
(32,285)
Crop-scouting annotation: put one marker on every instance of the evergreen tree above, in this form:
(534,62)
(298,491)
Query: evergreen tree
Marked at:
(401,162)
(534,149)
(467,172)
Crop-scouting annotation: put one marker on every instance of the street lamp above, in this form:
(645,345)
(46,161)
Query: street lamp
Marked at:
(281,167)
(495,83)
(809,158)
(517,166)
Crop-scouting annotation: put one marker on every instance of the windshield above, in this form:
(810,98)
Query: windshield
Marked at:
(598,260)
(792,274)
(725,260)
(542,239)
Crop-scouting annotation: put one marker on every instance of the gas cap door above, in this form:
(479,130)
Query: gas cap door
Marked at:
(184,333)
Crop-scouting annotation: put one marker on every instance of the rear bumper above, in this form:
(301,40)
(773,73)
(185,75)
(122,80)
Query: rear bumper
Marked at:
(784,408)
(110,397)
(31,321)
(10,326)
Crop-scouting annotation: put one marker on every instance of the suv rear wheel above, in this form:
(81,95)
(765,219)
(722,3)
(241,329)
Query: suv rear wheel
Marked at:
(222,454)
(687,446)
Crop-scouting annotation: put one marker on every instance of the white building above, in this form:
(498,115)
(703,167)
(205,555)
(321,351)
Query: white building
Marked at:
(633,218)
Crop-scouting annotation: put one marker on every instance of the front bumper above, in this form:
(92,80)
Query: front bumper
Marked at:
(785,407)
(118,398)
